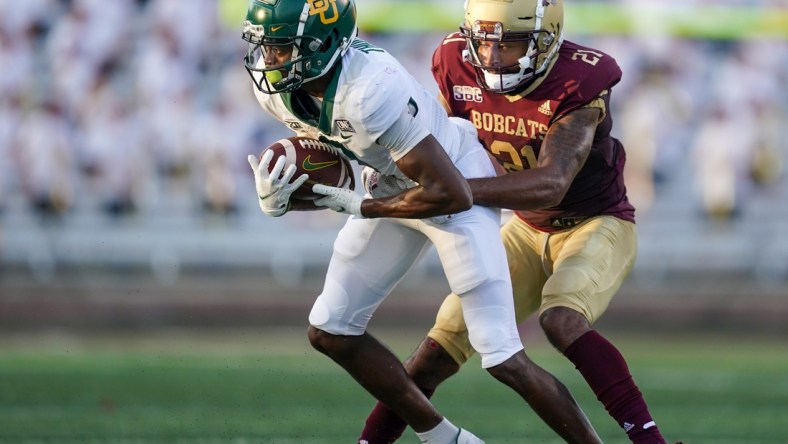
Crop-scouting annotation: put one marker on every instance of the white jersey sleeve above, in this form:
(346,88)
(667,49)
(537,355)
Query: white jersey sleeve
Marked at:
(405,133)
(379,103)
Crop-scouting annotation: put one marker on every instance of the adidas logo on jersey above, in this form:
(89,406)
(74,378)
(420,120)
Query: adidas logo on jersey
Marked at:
(545,108)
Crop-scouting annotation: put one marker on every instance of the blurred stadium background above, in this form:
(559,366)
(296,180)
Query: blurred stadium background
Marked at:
(124,128)
(127,207)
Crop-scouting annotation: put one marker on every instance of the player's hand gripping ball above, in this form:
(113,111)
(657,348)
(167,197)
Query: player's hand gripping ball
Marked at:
(324,163)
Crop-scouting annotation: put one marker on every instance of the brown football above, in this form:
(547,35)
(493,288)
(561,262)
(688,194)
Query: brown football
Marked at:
(324,163)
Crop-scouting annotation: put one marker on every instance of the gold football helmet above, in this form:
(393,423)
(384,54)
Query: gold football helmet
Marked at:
(511,43)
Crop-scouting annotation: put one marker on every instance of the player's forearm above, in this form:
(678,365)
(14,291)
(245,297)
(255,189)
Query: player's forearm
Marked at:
(417,203)
(517,193)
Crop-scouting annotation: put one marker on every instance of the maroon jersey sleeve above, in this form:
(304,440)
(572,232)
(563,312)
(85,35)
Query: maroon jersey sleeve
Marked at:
(446,58)
(592,73)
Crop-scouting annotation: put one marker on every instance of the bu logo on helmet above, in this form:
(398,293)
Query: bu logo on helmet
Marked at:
(321,7)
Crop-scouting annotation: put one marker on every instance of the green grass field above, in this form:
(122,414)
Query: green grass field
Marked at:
(270,387)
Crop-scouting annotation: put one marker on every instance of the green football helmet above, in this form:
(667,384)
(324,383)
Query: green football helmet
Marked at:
(317,32)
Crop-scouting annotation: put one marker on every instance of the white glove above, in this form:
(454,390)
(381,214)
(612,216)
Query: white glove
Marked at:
(381,185)
(340,200)
(274,188)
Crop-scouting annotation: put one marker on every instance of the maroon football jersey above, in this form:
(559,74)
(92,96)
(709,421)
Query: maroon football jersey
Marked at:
(512,128)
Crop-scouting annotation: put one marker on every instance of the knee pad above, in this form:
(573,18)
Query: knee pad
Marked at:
(332,312)
(492,330)
(571,287)
(485,332)
(320,315)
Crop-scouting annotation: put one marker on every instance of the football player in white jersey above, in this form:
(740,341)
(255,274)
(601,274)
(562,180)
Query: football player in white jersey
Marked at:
(313,74)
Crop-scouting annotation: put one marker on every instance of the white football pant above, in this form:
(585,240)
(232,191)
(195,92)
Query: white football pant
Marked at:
(371,256)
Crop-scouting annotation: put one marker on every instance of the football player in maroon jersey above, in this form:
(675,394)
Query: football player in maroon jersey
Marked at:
(541,107)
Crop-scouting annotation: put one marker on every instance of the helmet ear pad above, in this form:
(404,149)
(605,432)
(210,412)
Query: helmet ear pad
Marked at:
(330,38)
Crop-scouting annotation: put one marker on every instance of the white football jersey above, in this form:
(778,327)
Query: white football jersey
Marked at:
(366,95)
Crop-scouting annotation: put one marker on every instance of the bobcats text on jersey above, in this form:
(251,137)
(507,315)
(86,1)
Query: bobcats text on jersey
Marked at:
(508,124)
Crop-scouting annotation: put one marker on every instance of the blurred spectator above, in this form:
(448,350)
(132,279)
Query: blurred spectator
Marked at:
(736,144)
(46,159)
(215,141)
(771,147)
(9,124)
(166,81)
(721,151)
(652,113)
(112,155)
(16,58)
(29,19)
(91,34)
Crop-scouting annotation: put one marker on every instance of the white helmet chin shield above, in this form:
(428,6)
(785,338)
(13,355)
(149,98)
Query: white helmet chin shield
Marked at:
(499,81)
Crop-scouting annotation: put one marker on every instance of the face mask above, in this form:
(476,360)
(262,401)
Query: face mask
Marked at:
(502,81)
(506,81)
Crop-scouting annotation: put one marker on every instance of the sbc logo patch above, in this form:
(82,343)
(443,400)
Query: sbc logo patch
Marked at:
(465,93)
